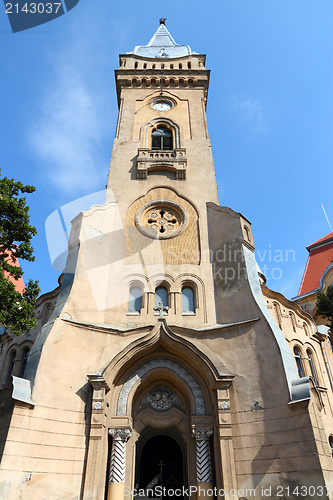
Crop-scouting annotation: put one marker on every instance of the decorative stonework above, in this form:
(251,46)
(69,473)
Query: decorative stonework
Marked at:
(203,458)
(155,364)
(118,454)
(161,398)
(161,219)
(224,405)
(202,433)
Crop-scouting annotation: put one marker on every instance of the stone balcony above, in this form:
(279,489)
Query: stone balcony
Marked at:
(149,160)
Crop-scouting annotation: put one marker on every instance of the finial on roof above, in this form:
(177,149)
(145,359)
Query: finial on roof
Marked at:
(162,45)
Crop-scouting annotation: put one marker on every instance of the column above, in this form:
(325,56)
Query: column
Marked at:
(203,462)
(94,485)
(118,463)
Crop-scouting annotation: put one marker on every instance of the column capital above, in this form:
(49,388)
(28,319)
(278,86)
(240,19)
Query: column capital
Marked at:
(201,433)
(121,434)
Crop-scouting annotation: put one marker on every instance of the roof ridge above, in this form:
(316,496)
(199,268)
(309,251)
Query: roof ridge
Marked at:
(327,238)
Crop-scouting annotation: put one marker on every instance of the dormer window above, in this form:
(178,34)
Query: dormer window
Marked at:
(161,139)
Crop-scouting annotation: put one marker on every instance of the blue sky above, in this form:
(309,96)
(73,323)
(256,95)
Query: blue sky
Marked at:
(270,112)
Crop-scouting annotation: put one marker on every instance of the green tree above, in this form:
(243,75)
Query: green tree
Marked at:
(325,305)
(16,309)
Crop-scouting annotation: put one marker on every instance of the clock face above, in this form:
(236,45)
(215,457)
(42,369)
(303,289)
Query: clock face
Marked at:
(161,106)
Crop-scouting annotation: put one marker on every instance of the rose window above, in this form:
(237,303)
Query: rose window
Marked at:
(161,219)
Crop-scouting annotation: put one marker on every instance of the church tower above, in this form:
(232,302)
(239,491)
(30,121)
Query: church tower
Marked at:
(161,365)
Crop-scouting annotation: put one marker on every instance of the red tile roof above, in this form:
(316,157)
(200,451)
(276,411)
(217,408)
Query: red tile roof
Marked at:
(19,284)
(322,240)
(320,258)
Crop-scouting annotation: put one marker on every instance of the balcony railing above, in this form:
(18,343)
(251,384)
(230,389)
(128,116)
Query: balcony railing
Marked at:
(149,160)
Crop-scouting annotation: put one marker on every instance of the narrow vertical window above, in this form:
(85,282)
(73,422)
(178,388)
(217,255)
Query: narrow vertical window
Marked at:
(278,313)
(135,300)
(188,300)
(24,362)
(293,321)
(161,138)
(161,295)
(330,440)
(11,365)
(299,363)
(312,368)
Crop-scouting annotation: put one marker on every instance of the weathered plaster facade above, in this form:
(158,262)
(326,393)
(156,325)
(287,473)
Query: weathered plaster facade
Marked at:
(210,371)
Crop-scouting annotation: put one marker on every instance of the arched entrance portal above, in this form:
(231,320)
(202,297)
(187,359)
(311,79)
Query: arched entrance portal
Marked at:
(160,462)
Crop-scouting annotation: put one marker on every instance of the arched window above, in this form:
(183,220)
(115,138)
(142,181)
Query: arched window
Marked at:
(312,368)
(11,364)
(135,299)
(161,295)
(299,363)
(161,138)
(24,362)
(330,440)
(188,300)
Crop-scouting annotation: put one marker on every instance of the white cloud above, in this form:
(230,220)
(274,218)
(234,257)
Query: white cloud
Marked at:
(250,112)
(66,131)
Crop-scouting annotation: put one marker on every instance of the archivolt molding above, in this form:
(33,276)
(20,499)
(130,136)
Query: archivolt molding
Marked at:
(166,364)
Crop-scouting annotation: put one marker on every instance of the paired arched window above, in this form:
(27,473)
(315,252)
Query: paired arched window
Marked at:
(161,138)
(24,362)
(299,364)
(135,299)
(188,305)
(311,364)
(11,365)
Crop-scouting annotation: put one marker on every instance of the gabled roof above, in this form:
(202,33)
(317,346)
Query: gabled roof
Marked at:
(162,45)
(320,258)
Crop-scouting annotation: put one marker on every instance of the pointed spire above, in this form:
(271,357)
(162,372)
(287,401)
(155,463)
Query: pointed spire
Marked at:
(162,45)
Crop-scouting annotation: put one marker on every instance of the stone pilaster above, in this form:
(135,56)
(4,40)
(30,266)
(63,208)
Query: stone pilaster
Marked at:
(98,440)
